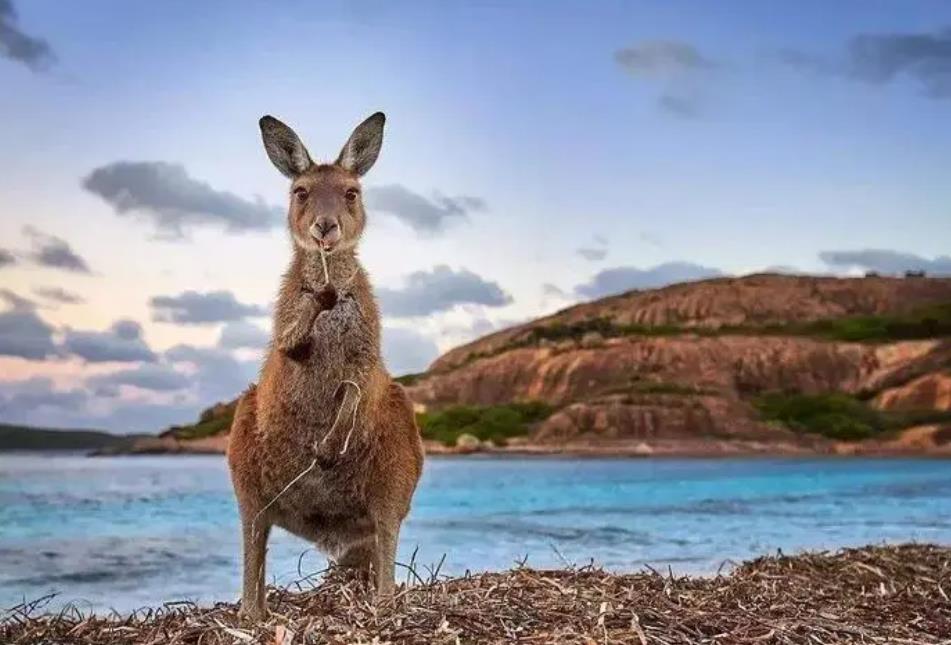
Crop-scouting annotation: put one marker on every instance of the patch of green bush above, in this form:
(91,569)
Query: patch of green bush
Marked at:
(636,386)
(927,322)
(207,428)
(496,423)
(409,379)
(839,416)
(933,321)
(603,326)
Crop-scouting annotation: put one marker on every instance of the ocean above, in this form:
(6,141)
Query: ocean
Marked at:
(126,532)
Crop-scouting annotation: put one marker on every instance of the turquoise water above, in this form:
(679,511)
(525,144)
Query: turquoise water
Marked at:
(132,531)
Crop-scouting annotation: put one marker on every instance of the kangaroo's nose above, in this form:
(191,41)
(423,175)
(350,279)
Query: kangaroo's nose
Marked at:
(325,227)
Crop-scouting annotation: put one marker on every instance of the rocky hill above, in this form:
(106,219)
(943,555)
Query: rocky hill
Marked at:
(754,303)
(762,363)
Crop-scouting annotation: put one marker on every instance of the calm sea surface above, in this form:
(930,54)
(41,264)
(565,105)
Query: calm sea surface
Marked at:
(132,531)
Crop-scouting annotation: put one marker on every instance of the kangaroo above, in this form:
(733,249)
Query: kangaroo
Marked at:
(326,445)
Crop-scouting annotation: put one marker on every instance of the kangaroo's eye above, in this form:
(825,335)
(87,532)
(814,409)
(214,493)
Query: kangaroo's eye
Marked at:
(351,195)
(300,194)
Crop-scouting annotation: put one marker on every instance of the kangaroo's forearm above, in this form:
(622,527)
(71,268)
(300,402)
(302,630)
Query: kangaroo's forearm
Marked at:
(299,327)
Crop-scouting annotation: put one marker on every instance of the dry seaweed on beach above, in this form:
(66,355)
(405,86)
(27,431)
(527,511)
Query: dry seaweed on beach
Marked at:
(875,594)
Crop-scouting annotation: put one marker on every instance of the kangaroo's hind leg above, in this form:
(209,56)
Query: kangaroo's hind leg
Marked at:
(255,525)
(254,591)
(384,559)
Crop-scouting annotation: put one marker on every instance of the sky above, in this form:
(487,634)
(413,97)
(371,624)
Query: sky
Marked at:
(536,155)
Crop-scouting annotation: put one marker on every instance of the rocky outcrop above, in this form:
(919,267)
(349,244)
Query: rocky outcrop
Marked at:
(756,300)
(928,392)
(729,365)
(656,417)
(694,379)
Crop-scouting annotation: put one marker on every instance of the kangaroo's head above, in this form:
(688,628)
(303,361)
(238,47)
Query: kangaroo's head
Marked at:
(326,205)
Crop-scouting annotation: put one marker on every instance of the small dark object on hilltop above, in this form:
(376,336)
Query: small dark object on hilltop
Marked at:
(876,594)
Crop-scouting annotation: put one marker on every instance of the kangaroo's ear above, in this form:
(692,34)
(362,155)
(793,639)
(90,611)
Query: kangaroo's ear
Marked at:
(284,147)
(363,147)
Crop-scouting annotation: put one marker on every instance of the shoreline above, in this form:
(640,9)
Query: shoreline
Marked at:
(626,449)
(858,595)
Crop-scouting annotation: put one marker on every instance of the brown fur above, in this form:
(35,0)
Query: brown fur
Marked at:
(349,505)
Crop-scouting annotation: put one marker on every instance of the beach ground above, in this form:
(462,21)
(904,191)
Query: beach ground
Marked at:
(874,594)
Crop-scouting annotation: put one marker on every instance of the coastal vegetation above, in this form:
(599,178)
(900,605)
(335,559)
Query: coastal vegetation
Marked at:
(212,421)
(495,423)
(839,416)
(409,379)
(933,321)
(205,427)
(926,322)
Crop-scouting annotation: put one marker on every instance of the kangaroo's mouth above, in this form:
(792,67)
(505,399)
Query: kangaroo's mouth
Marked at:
(326,242)
(327,246)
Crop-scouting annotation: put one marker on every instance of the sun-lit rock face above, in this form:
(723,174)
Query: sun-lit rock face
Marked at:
(928,392)
(684,385)
(730,365)
(756,300)
(669,387)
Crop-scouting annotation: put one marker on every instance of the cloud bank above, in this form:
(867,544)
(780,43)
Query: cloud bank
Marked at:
(20,47)
(422,214)
(23,333)
(592,254)
(621,279)
(678,67)
(886,261)
(441,289)
(884,58)
(54,252)
(149,376)
(194,308)
(661,58)
(122,342)
(59,295)
(165,195)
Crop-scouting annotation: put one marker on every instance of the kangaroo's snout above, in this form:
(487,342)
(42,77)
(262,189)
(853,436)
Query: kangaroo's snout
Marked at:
(325,230)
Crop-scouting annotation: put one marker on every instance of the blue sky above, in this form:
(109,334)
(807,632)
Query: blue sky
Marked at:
(536,154)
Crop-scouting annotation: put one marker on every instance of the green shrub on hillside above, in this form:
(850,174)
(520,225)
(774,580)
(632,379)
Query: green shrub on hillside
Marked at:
(927,322)
(839,416)
(495,423)
(207,428)
(603,326)
(572,331)
(409,379)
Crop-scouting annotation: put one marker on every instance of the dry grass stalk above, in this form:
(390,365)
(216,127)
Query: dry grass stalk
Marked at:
(878,594)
